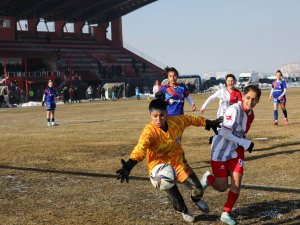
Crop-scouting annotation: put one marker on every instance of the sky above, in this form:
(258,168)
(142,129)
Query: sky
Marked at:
(199,36)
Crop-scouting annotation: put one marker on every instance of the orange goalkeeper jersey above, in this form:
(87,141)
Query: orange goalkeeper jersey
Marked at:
(158,146)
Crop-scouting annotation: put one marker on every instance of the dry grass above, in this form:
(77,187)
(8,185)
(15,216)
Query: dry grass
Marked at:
(66,174)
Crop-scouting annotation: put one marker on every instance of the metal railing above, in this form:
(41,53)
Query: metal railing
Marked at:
(143,55)
(34,74)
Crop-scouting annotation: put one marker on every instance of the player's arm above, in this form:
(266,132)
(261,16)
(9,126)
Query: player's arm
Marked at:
(191,102)
(227,130)
(209,100)
(284,90)
(137,155)
(43,101)
(271,93)
(197,121)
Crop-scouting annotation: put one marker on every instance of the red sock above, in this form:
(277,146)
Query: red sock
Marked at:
(232,197)
(211,180)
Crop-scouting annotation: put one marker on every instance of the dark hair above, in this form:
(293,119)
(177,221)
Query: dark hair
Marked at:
(253,88)
(171,69)
(230,75)
(279,71)
(158,104)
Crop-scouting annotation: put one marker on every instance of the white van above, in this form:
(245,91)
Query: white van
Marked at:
(246,79)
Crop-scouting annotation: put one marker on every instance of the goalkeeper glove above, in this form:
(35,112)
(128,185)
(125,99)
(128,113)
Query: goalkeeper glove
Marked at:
(123,173)
(214,124)
(43,103)
(250,147)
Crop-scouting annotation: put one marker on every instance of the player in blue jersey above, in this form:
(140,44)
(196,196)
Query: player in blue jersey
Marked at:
(278,93)
(174,93)
(49,101)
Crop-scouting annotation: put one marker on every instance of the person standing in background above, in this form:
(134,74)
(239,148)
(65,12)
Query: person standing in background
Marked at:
(278,94)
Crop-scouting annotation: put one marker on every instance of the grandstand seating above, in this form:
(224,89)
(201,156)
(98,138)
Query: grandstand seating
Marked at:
(83,55)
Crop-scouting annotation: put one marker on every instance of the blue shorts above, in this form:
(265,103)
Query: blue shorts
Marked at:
(277,101)
(50,106)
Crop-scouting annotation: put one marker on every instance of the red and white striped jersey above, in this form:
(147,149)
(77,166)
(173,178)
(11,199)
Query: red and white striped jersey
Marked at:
(226,99)
(232,134)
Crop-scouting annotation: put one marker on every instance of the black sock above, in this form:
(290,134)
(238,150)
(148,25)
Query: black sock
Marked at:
(48,120)
(284,113)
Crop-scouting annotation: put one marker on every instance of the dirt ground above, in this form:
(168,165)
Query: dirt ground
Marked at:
(66,174)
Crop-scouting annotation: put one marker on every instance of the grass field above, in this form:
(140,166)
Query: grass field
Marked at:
(66,174)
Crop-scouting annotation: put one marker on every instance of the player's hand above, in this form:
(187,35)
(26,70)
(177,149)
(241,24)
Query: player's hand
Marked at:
(250,147)
(43,103)
(202,110)
(214,124)
(193,107)
(123,173)
(280,97)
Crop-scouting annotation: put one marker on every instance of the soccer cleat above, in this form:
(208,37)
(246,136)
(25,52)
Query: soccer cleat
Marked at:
(275,123)
(286,121)
(203,180)
(202,205)
(225,218)
(188,216)
(53,123)
(48,124)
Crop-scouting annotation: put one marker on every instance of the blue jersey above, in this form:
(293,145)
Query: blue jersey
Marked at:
(175,98)
(278,88)
(50,94)
(49,98)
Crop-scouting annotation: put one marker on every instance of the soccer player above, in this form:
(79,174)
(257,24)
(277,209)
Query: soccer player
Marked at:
(278,93)
(227,156)
(49,100)
(174,93)
(227,95)
(160,142)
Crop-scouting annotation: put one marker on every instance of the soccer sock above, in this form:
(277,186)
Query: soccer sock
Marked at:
(211,180)
(284,113)
(48,120)
(52,119)
(232,197)
(275,114)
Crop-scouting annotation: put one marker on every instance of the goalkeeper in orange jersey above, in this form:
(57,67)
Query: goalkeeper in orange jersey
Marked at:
(160,142)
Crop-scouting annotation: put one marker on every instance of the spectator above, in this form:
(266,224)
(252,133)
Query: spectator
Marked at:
(156,87)
(90,93)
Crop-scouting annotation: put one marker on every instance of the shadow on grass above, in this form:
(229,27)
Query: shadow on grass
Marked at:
(277,146)
(75,173)
(271,154)
(268,213)
(101,175)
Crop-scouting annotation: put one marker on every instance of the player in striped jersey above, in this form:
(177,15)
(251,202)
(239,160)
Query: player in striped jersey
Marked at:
(278,93)
(175,93)
(227,95)
(227,156)
(160,142)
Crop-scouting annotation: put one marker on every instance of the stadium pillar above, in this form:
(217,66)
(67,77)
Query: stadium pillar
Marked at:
(99,32)
(32,27)
(59,28)
(116,33)
(78,29)
(8,29)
